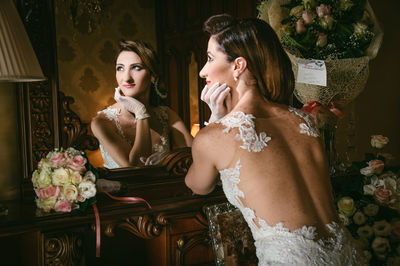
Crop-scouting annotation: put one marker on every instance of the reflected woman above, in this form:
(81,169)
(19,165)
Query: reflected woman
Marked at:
(137,130)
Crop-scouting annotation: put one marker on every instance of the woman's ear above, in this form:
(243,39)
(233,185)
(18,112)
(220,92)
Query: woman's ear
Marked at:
(239,66)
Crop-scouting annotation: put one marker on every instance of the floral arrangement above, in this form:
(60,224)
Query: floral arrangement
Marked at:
(369,204)
(322,29)
(64,181)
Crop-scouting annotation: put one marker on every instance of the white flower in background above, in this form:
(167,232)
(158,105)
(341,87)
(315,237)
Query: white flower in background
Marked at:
(377,182)
(90,176)
(46,204)
(390,183)
(382,228)
(61,176)
(76,178)
(379,141)
(70,192)
(44,178)
(365,232)
(369,189)
(73,152)
(367,171)
(359,218)
(87,189)
(344,219)
(381,247)
(371,209)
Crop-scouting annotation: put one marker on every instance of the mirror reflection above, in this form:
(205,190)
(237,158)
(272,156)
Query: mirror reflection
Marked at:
(137,129)
(91,67)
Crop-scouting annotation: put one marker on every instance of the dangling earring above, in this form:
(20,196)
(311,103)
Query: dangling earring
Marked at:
(162,96)
(235,78)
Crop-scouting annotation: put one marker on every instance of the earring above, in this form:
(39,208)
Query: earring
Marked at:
(159,93)
(235,78)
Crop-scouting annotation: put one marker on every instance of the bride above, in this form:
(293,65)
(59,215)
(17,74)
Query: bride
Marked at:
(268,155)
(137,130)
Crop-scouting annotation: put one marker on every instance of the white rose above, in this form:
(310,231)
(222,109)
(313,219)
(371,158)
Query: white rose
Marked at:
(61,177)
(390,183)
(369,189)
(371,209)
(367,171)
(44,178)
(72,152)
(365,232)
(90,176)
(35,177)
(87,189)
(70,192)
(344,219)
(377,182)
(379,141)
(76,178)
(46,204)
(44,164)
(359,218)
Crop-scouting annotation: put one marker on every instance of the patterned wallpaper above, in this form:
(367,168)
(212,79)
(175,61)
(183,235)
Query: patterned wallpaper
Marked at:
(86,60)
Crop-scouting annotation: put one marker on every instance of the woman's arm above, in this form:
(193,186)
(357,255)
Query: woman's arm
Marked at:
(118,148)
(179,134)
(202,175)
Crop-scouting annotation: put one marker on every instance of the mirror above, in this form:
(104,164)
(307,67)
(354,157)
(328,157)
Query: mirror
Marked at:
(50,117)
(87,45)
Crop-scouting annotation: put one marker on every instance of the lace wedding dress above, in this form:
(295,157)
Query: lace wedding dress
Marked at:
(159,148)
(276,245)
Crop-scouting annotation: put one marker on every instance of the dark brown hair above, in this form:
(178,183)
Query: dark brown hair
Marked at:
(254,40)
(151,63)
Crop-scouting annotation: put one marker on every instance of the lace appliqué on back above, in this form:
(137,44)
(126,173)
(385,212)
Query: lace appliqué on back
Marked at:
(277,245)
(307,127)
(247,133)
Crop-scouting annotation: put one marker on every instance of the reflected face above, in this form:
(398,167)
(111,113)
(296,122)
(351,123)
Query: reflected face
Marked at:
(133,78)
(217,68)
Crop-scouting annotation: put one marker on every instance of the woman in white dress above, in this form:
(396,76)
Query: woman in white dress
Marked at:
(269,156)
(137,130)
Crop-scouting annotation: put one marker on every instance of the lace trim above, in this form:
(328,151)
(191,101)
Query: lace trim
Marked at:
(162,116)
(247,133)
(112,114)
(231,178)
(308,127)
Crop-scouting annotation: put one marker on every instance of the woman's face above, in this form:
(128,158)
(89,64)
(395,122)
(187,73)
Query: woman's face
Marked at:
(217,68)
(133,78)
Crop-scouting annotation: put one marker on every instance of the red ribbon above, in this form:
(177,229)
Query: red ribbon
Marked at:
(314,106)
(97,215)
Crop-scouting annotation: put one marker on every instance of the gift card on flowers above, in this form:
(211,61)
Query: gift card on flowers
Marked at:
(311,72)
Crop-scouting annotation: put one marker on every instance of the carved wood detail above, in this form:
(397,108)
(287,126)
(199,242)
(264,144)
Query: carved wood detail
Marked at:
(64,249)
(185,244)
(74,132)
(178,162)
(145,226)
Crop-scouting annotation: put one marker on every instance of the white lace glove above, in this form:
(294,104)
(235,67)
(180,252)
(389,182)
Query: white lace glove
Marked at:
(132,105)
(218,99)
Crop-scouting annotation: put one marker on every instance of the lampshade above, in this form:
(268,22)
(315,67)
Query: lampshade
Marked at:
(18,62)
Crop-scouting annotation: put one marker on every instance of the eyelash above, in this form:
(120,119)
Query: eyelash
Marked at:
(209,59)
(120,68)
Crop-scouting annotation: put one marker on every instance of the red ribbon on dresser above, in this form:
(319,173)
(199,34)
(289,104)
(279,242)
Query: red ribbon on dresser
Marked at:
(97,215)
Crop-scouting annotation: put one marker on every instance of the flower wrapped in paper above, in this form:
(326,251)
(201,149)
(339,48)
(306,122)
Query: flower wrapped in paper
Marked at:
(345,34)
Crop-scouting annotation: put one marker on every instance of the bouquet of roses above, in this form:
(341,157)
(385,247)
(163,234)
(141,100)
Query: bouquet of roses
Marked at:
(369,205)
(64,181)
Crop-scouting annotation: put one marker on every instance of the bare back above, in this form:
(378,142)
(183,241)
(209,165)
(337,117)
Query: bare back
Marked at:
(284,177)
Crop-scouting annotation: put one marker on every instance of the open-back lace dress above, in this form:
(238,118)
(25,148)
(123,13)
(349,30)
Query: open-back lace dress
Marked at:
(162,147)
(276,245)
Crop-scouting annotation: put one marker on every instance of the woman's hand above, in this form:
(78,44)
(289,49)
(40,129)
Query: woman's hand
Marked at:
(131,104)
(218,99)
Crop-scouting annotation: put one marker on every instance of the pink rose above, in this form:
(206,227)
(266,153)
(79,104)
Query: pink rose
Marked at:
(382,195)
(47,192)
(58,160)
(307,16)
(77,163)
(300,26)
(377,166)
(323,10)
(63,206)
